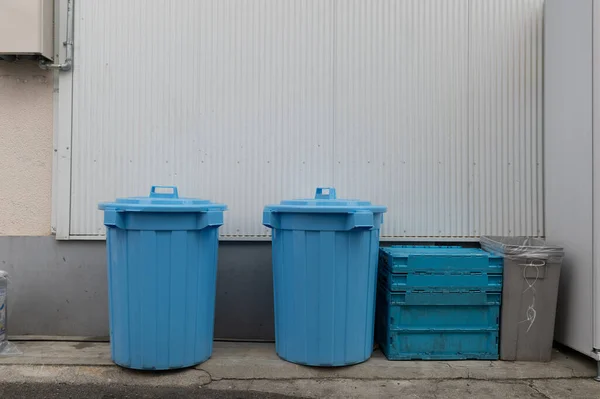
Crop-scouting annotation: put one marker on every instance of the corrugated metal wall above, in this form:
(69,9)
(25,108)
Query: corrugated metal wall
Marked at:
(431,107)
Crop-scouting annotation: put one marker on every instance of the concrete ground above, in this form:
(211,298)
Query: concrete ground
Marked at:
(251,370)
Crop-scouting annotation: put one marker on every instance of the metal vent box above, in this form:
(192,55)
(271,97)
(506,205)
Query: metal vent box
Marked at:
(26,27)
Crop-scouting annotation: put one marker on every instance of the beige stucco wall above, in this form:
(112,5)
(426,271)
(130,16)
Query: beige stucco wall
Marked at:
(25,149)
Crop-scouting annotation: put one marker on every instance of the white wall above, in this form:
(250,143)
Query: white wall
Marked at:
(461,137)
(431,107)
(570,141)
(25,149)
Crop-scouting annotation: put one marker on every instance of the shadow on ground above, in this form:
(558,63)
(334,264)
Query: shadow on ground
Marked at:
(92,391)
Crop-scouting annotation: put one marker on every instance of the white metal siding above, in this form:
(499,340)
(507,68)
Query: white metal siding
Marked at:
(431,107)
(505,117)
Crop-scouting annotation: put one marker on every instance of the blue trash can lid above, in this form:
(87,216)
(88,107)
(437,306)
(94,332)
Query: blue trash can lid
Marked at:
(325,201)
(159,201)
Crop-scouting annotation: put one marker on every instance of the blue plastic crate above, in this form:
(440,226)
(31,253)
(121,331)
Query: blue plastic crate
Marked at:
(429,279)
(407,259)
(438,310)
(428,325)
(407,267)
(439,345)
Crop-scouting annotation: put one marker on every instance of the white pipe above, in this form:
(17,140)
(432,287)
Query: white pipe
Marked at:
(68,64)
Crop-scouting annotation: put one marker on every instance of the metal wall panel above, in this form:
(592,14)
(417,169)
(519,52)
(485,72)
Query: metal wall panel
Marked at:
(230,100)
(430,107)
(402,85)
(505,149)
(569,142)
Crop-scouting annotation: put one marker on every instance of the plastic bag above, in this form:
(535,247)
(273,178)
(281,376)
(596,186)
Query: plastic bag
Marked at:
(6,348)
(523,248)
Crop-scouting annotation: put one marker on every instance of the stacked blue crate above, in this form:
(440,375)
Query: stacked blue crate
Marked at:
(439,303)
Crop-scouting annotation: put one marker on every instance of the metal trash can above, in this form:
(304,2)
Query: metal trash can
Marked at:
(529,295)
(162,268)
(325,253)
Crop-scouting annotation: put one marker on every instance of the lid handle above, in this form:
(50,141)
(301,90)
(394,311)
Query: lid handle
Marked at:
(162,194)
(325,193)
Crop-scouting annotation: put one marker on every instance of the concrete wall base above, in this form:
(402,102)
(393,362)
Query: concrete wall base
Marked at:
(60,288)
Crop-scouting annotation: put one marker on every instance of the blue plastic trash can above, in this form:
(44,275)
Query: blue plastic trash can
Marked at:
(162,268)
(325,253)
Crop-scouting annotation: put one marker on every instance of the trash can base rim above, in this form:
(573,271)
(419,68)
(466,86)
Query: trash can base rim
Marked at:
(312,364)
(179,367)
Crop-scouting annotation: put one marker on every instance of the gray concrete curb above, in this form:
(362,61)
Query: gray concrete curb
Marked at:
(252,361)
(246,370)
(39,381)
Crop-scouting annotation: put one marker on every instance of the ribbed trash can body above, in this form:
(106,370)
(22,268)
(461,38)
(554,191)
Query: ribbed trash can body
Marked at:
(325,254)
(529,296)
(162,267)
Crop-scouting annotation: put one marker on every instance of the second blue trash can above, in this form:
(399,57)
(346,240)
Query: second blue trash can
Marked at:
(325,253)
(162,268)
